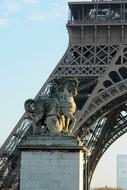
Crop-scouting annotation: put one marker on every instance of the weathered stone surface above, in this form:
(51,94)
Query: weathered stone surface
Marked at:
(59,167)
(47,141)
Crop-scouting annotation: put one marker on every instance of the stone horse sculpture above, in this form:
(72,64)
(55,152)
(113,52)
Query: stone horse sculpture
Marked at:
(55,111)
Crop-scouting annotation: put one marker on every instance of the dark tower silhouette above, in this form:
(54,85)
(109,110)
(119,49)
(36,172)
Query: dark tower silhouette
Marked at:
(97,57)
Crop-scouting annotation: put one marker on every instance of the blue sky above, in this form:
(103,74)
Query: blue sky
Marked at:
(33,38)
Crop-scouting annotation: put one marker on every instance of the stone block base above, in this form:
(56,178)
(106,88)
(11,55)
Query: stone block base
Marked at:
(51,163)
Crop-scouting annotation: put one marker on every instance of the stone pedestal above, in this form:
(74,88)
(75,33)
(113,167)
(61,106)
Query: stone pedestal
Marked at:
(51,163)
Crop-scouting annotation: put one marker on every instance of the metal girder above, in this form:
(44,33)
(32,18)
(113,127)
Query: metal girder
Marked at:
(109,128)
(102,89)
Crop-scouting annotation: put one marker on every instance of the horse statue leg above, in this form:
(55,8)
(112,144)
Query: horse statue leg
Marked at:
(34,128)
(70,122)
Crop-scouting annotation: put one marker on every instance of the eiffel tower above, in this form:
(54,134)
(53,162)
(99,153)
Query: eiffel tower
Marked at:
(97,57)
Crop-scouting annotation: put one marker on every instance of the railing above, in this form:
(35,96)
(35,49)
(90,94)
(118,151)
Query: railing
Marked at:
(97,21)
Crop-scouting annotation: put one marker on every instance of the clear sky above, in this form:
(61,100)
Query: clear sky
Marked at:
(33,38)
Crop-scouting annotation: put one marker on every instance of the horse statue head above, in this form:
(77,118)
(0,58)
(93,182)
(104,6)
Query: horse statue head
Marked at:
(69,84)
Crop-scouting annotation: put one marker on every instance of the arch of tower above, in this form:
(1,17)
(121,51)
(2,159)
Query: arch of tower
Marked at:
(97,57)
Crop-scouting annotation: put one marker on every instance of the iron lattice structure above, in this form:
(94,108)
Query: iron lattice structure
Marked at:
(97,57)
